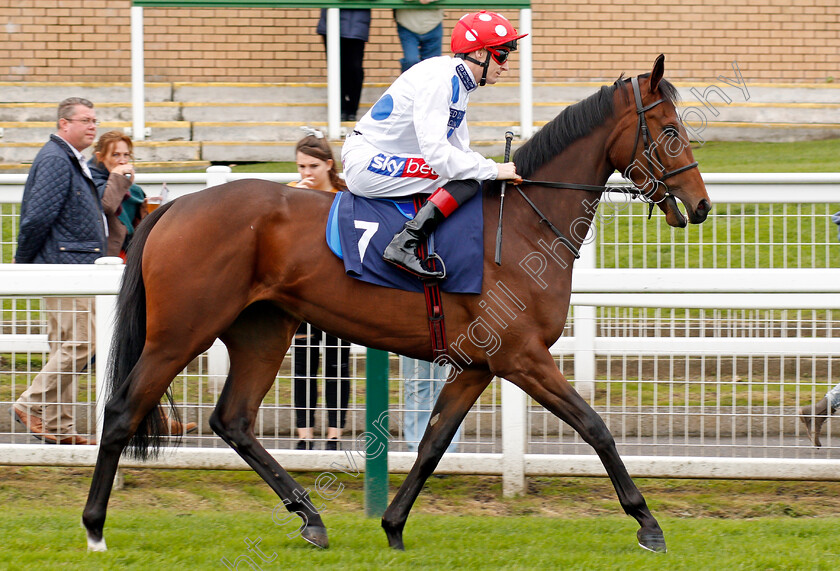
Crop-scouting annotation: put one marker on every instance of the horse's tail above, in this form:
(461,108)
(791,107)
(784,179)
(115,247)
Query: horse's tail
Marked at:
(130,338)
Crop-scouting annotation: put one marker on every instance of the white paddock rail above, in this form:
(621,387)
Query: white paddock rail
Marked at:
(672,288)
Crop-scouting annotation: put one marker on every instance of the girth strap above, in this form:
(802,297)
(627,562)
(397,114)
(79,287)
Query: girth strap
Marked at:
(434,303)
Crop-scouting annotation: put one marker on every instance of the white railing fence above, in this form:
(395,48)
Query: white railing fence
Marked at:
(698,367)
(727,286)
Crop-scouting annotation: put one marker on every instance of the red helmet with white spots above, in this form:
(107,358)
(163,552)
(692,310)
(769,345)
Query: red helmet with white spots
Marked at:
(481,30)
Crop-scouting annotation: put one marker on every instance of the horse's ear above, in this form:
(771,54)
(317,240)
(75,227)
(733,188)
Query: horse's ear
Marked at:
(657,73)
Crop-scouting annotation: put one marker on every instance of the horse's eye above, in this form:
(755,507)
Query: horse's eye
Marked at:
(670,131)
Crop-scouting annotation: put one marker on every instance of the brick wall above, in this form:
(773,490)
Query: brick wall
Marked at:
(88,40)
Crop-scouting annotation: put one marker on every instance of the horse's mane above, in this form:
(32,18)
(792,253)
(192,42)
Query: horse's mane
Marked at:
(576,121)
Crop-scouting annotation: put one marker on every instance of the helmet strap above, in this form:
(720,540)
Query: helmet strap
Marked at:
(484,65)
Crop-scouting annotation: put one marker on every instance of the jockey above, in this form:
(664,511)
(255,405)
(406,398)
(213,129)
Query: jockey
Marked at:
(415,140)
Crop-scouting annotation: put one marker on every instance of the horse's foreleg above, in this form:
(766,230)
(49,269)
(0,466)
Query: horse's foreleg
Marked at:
(449,411)
(148,381)
(257,343)
(547,385)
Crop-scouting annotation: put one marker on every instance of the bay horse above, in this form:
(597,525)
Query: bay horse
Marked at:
(246,261)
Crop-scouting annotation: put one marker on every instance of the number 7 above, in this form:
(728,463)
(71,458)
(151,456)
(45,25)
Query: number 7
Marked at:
(370,229)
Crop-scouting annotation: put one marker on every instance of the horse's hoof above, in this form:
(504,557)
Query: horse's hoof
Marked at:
(316,535)
(95,540)
(394,535)
(96,544)
(652,540)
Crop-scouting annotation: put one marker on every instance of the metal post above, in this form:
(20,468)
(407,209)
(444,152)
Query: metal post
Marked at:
(376,447)
(333,74)
(526,76)
(138,110)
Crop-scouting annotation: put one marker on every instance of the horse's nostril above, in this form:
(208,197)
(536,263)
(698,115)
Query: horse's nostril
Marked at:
(703,206)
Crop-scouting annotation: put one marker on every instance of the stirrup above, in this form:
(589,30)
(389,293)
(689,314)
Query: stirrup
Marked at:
(435,256)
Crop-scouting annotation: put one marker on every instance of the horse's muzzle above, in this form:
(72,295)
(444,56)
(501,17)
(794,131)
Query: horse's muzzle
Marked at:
(695,214)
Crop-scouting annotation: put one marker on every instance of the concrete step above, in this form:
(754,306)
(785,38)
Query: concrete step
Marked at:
(266,131)
(33,131)
(144,151)
(237,122)
(252,151)
(488,139)
(316,113)
(154,110)
(509,111)
(230,93)
(487,121)
(251,112)
(54,92)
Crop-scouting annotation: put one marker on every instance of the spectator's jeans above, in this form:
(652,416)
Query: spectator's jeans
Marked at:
(423,383)
(833,397)
(417,47)
(71,334)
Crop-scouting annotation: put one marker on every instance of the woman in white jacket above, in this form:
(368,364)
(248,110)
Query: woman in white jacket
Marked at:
(415,139)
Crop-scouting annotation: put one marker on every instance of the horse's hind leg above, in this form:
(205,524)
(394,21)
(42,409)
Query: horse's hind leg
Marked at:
(126,408)
(449,411)
(546,385)
(257,343)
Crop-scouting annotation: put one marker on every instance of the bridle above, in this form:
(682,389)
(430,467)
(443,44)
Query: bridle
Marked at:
(643,133)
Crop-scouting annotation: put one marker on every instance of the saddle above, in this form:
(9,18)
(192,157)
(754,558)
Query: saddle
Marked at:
(359,229)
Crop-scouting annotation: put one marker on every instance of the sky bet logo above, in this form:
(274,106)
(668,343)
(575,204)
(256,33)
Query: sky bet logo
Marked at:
(401,167)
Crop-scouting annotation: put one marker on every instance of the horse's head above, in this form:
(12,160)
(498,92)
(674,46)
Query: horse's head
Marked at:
(650,147)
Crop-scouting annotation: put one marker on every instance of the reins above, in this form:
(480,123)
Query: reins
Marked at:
(588,187)
(643,133)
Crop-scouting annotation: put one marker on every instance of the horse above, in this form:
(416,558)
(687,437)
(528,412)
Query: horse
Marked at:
(246,262)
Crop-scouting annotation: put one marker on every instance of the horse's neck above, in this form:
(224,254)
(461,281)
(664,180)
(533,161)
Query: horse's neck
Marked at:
(583,162)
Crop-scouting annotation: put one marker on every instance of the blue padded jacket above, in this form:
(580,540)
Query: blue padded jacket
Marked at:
(61,219)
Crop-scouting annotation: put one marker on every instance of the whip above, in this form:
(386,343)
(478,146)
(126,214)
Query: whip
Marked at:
(508,140)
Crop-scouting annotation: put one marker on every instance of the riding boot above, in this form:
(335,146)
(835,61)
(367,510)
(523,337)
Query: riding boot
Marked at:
(402,251)
(817,414)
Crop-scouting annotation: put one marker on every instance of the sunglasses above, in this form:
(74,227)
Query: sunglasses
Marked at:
(500,56)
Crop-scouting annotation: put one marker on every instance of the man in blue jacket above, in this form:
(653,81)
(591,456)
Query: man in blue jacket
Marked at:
(61,222)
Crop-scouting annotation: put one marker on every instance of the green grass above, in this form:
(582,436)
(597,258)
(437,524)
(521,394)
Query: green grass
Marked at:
(282,166)
(800,156)
(166,539)
(191,519)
